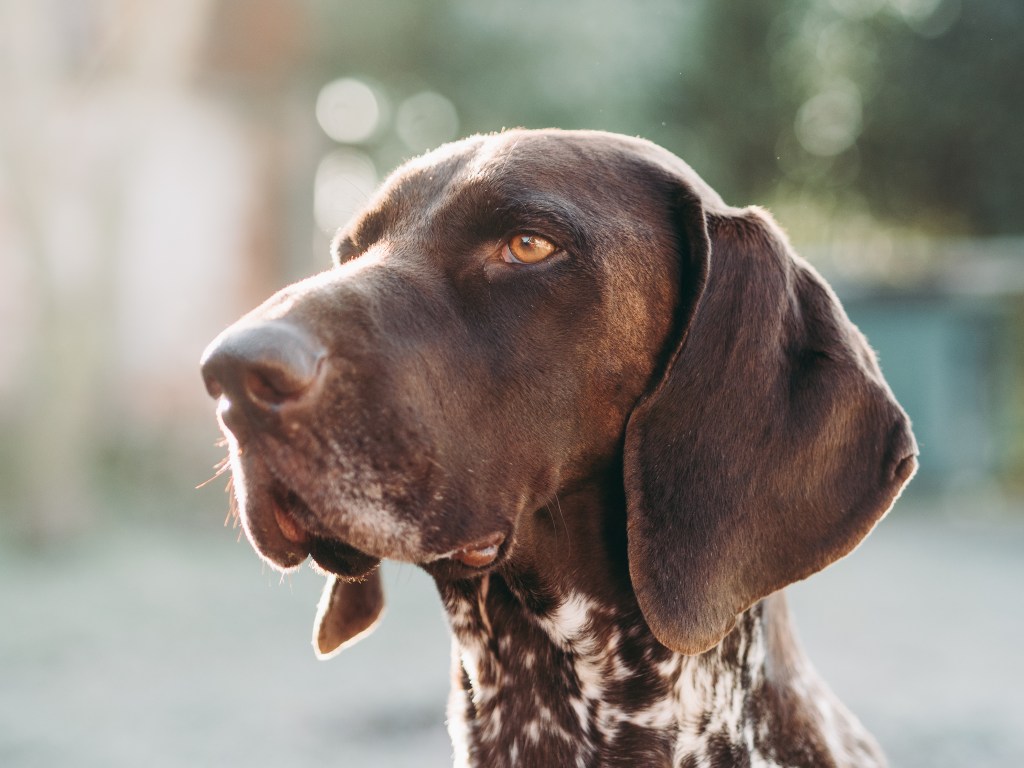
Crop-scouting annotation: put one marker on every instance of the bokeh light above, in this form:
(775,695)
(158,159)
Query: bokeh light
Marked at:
(829,122)
(425,120)
(929,18)
(344,181)
(349,110)
(858,9)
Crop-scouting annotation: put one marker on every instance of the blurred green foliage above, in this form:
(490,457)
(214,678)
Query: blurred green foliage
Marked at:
(880,131)
(908,110)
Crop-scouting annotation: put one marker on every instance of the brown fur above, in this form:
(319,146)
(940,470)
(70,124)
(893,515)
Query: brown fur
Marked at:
(667,422)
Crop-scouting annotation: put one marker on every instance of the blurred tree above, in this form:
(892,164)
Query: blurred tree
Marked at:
(573,64)
(943,131)
(730,99)
(906,108)
(911,106)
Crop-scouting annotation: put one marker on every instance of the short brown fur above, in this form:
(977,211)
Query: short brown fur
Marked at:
(664,423)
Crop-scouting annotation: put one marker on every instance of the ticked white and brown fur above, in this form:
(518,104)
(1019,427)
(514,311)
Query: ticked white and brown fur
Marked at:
(612,416)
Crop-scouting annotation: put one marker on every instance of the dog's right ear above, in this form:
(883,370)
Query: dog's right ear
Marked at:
(348,611)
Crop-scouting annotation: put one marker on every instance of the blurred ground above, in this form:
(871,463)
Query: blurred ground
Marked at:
(166,647)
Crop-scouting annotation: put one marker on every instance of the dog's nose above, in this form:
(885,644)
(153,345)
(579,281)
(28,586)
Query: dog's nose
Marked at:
(270,365)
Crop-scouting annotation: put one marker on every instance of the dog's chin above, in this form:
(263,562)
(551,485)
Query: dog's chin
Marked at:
(273,517)
(285,531)
(284,550)
(341,559)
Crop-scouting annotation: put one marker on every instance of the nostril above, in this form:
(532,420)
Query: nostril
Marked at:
(260,387)
(273,382)
(267,364)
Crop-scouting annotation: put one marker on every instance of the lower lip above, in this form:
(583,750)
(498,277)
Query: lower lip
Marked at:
(290,529)
(480,554)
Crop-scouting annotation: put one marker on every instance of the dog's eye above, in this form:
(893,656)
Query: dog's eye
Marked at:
(527,249)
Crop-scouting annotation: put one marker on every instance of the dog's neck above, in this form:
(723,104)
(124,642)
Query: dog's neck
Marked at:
(549,673)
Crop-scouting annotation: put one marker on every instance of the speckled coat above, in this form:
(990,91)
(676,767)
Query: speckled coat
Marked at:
(611,415)
(580,684)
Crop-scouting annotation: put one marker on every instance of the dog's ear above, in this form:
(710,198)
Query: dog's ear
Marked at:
(348,611)
(770,445)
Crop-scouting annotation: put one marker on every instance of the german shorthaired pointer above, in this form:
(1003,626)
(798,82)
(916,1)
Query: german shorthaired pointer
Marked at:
(610,415)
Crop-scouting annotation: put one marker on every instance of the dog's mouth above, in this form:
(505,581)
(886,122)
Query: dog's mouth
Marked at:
(479,554)
(285,530)
(330,554)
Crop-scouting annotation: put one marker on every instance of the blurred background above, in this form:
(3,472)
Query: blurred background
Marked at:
(166,166)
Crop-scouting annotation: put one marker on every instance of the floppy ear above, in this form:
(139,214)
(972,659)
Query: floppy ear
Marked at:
(770,446)
(348,611)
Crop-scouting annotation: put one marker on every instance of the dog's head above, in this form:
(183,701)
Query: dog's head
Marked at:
(513,315)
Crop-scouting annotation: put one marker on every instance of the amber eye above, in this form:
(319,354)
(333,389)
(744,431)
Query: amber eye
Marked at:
(527,249)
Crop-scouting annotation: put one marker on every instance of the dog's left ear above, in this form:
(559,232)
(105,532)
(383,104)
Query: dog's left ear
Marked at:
(770,446)
(348,611)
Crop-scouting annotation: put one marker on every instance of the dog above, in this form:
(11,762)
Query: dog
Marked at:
(610,415)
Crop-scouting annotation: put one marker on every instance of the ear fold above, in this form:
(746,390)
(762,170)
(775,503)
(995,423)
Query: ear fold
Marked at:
(348,611)
(771,444)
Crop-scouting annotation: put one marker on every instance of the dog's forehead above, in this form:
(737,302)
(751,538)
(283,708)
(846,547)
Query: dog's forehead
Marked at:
(611,182)
(538,154)
(501,164)
(584,165)
(581,174)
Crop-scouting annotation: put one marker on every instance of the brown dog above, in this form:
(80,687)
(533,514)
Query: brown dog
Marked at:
(608,413)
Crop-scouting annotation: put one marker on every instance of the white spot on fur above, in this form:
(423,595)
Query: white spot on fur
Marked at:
(492,727)
(567,622)
(533,731)
(579,706)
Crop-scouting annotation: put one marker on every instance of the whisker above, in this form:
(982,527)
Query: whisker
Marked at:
(232,513)
(551,517)
(218,469)
(565,526)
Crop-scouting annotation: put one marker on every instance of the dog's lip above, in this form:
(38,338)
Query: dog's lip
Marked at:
(299,536)
(329,554)
(478,554)
(271,517)
(482,553)
(291,529)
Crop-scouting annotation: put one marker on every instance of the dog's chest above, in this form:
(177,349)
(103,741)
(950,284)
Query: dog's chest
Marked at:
(574,684)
